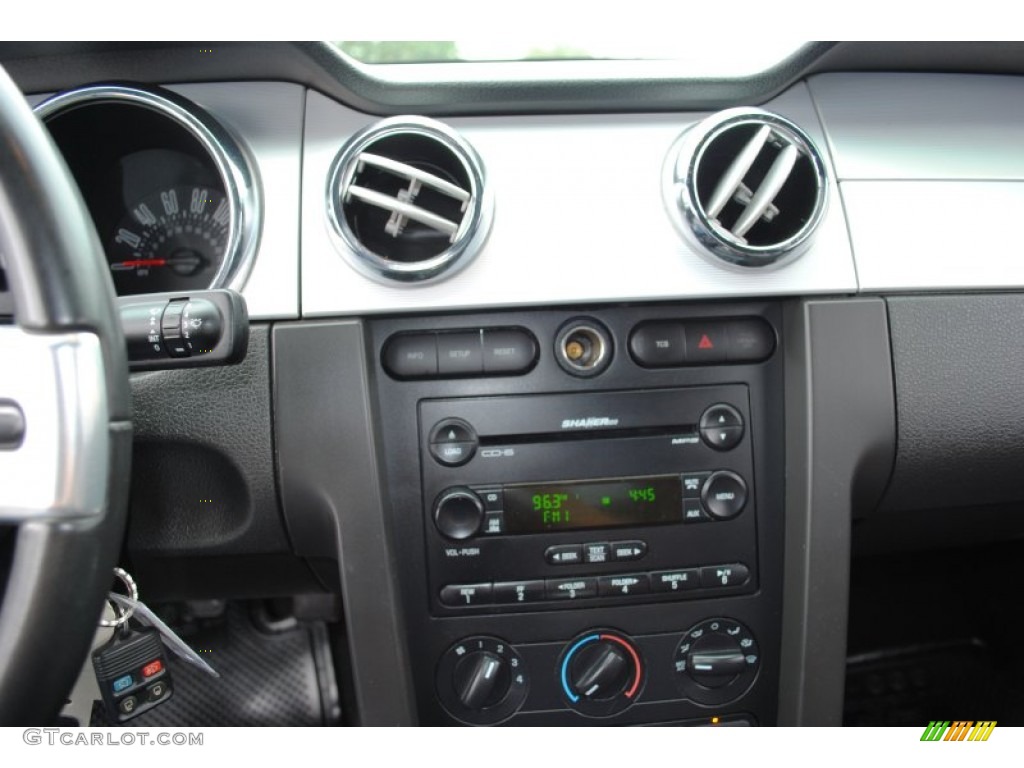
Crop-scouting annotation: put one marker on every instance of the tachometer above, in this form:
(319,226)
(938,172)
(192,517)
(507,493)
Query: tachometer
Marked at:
(173,233)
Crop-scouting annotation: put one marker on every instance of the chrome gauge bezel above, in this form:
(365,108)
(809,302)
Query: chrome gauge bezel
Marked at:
(233,162)
(472,232)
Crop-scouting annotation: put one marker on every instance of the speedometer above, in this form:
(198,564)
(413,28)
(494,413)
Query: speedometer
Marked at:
(168,238)
(172,193)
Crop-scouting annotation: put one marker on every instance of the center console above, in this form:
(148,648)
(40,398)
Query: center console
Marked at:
(585,508)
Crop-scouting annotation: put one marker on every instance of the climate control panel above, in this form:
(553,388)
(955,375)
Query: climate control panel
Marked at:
(599,673)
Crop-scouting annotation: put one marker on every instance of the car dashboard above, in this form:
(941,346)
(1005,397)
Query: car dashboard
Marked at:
(581,413)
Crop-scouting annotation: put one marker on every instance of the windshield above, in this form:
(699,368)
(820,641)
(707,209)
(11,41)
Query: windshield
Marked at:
(694,58)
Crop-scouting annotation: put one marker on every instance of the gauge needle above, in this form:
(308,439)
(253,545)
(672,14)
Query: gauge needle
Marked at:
(142,263)
(137,263)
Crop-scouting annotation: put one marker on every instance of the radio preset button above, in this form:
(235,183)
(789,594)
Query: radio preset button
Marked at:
(570,589)
(564,554)
(628,550)
(598,552)
(732,575)
(529,591)
(623,585)
(461,595)
(675,581)
(724,495)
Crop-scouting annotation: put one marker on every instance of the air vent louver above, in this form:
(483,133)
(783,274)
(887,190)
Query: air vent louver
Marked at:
(748,187)
(407,202)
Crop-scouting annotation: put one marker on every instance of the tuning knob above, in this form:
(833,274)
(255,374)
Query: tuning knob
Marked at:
(601,673)
(481,680)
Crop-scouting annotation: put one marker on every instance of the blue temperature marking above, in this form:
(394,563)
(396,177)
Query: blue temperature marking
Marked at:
(565,665)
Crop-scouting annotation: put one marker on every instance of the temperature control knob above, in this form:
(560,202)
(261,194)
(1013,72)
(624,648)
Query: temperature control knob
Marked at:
(601,673)
(481,680)
(716,661)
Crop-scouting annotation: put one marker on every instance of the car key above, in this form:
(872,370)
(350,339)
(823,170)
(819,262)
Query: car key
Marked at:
(139,610)
(132,673)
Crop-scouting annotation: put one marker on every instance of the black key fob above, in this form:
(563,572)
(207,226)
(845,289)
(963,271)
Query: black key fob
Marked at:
(132,673)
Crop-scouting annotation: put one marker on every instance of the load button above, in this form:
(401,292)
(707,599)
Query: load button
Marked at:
(453,442)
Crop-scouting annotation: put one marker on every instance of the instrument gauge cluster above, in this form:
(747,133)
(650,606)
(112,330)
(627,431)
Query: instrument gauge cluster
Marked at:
(172,192)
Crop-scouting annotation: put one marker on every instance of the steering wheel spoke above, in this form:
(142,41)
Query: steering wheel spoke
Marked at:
(65,428)
(56,385)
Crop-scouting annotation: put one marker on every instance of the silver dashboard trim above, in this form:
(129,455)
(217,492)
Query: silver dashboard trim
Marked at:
(906,240)
(923,126)
(580,219)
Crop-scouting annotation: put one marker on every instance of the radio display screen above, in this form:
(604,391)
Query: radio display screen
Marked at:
(540,507)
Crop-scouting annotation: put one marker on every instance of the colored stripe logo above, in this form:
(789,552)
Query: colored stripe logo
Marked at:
(959,730)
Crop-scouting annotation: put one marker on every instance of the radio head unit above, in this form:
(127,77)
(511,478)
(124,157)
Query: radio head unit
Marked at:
(659,505)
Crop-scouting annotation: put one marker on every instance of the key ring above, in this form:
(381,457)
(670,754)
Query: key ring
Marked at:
(122,614)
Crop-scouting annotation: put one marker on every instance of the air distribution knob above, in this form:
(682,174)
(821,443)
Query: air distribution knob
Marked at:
(601,673)
(716,661)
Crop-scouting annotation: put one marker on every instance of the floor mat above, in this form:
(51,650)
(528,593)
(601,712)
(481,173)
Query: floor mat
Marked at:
(266,678)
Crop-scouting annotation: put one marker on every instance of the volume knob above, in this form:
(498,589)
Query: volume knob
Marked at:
(458,513)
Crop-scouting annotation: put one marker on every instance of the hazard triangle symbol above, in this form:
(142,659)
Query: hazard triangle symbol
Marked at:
(705,342)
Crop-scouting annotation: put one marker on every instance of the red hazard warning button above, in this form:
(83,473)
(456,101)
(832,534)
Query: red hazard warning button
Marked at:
(705,342)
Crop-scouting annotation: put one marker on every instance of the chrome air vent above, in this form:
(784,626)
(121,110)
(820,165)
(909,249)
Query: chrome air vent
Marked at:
(407,202)
(748,187)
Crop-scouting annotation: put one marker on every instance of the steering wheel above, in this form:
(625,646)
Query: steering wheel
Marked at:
(65,423)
